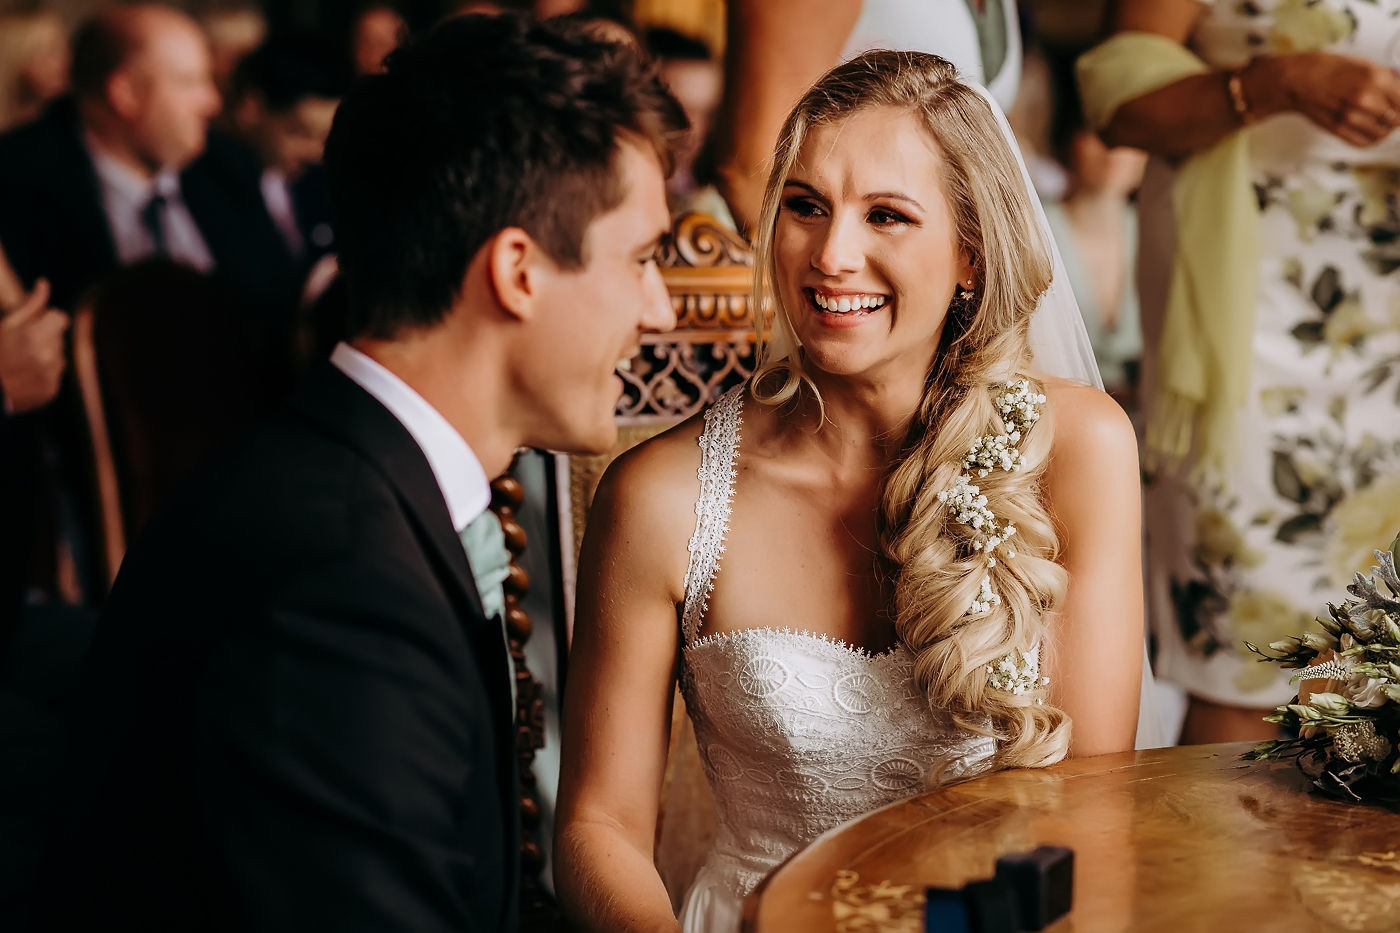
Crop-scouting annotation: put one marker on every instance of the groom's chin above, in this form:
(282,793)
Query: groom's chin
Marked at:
(584,439)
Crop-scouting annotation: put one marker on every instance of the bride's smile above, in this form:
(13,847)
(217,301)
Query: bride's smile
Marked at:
(867,253)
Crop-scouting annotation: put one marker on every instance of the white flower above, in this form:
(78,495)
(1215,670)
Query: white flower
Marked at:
(1016,673)
(967,506)
(1366,692)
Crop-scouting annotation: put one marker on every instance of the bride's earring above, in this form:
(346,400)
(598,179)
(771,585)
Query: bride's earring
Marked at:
(964,292)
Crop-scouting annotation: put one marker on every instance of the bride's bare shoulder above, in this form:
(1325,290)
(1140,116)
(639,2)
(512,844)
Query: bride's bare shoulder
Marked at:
(655,482)
(1092,431)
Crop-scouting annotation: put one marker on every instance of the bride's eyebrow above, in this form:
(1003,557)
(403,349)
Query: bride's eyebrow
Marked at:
(893,196)
(799,183)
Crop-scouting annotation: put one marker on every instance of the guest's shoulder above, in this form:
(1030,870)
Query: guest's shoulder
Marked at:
(54,128)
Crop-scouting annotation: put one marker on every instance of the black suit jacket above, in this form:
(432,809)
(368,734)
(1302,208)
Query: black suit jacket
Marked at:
(52,223)
(238,168)
(295,715)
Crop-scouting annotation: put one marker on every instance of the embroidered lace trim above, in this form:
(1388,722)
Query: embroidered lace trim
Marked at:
(719,450)
(838,644)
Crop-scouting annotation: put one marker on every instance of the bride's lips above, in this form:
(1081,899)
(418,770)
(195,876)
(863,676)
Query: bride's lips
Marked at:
(830,316)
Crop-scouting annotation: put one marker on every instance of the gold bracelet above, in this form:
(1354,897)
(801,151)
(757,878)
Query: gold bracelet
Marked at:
(1235,85)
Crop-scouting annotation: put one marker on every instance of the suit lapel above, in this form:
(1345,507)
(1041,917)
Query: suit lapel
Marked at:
(341,407)
(338,405)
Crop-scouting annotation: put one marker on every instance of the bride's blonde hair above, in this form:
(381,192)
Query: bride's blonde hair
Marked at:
(935,571)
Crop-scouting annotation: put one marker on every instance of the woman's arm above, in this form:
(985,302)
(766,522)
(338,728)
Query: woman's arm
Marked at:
(775,50)
(1354,99)
(1094,492)
(617,705)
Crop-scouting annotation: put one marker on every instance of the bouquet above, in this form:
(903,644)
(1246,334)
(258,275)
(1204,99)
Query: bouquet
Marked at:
(1348,733)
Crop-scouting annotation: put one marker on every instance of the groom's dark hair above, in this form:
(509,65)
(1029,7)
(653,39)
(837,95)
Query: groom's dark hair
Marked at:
(486,122)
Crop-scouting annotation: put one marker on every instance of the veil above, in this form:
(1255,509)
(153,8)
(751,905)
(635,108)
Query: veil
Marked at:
(1060,347)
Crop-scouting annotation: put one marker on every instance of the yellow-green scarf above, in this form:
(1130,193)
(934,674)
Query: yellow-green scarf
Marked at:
(1203,361)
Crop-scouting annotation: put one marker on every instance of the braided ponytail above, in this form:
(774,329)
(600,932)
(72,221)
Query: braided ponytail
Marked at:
(963,609)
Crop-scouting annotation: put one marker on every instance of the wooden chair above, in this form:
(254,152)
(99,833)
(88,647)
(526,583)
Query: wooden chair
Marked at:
(168,370)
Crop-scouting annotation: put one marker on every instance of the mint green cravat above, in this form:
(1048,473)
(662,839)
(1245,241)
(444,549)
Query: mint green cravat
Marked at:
(485,545)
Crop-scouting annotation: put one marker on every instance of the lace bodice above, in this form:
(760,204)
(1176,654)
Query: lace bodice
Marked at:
(797,733)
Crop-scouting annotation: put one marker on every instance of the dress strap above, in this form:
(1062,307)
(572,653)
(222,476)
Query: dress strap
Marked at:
(719,452)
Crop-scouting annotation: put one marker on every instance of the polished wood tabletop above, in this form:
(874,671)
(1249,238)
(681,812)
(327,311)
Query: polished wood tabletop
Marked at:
(1177,839)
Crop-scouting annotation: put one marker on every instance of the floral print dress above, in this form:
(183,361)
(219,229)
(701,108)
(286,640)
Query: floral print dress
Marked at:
(1315,483)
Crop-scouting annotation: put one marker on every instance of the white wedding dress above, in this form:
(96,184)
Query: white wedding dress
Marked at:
(797,733)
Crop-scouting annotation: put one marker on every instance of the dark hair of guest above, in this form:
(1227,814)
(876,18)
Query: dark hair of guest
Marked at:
(100,46)
(484,123)
(288,68)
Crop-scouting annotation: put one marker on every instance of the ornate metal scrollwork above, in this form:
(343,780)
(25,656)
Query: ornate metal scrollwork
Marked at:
(709,271)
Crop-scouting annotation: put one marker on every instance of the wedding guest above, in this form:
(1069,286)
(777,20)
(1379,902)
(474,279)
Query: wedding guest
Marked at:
(778,47)
(32,361)
(33,65)
(696,78)
(104,179)
(99,181)
(1095,226)
(1268,286)
(283,99)
(297,712)
(233,32)
(875,626)
(375,31)
(32,357)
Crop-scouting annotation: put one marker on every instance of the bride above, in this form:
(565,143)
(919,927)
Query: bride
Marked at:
(912,554)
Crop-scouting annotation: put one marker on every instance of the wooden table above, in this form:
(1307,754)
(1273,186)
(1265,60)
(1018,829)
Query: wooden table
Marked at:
(1178,839)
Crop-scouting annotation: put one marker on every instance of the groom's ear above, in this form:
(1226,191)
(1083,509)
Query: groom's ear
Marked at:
(518,270)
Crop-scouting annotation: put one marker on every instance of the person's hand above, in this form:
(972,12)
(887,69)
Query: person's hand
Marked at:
(31,351)
(1356,100)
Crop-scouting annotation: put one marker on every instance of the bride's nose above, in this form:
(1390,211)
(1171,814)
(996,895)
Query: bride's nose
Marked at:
(836,249)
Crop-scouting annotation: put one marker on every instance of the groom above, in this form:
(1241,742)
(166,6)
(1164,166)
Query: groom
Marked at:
(296,714)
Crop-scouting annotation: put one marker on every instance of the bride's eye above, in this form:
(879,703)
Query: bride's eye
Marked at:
(884,217)
(801,206)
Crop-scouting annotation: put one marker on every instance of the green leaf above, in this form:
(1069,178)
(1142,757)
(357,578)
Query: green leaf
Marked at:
(1308,332)
(1375,378)
(1287,482)
(1296,527)
(1327,289)
(1382,260)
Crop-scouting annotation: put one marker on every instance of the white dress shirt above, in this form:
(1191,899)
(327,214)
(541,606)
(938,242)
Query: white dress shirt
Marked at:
(125,195)
(277,198)
(458,472)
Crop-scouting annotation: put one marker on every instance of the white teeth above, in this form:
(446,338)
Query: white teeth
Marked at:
(847,304)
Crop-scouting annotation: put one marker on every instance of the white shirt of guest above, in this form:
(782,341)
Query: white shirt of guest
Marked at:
(125,194)
(277,197)
(458,472)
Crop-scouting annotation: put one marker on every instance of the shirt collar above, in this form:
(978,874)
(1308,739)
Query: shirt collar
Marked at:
(129,184)
(458,472)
